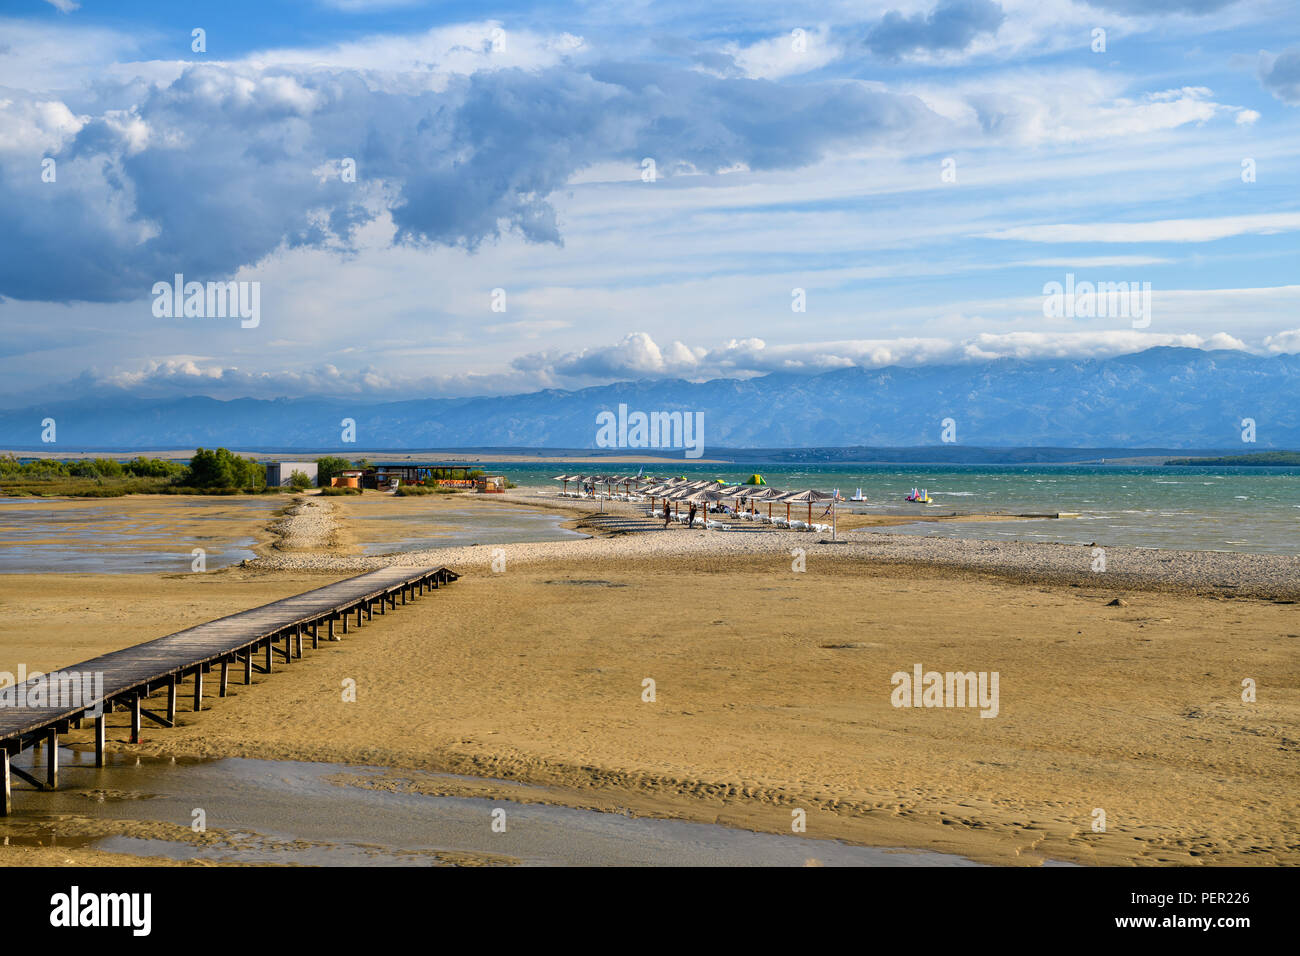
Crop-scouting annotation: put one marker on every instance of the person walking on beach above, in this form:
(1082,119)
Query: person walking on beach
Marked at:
(691,518)
(667,515)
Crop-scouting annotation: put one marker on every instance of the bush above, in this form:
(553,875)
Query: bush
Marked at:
(95,468)
(223,469)
(330,467)
(153,468)
(410,491)
(11,467)
(299,480)
(332,492)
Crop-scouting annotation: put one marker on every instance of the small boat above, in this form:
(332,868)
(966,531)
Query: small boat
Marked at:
(920,496)
(859,496)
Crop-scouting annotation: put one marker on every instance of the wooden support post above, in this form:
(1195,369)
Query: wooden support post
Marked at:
(100,723)
(171,699)
(297,641)
(346,616)
(315,635)
(225,676)
(370,612)
(268,655)
(135,719)
(6,791)
(359,613)
(331,629)
(248,665)
(403,595)
(52,761)
(198,688)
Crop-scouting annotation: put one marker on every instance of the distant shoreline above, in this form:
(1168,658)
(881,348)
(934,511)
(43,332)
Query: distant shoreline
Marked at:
(918,456)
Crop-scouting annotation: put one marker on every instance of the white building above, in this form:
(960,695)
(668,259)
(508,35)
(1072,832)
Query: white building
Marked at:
(278,473)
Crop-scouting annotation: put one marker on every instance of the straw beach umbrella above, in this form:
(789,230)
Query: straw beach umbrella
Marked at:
(698,496)
(655,491)
(764,493)
(808,496)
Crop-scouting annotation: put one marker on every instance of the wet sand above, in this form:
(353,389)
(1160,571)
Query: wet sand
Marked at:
(132,533)
(253,813)
(772,694)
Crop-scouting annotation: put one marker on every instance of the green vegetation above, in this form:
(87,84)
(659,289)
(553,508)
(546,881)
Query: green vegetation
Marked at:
(299,481)
(224,469)
(1256,458)
(329,467)
(404,491)
(441,474)
(86,478)
(333,492)
(217,472)
(154,468)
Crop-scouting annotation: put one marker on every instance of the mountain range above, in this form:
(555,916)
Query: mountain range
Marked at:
(1162,397)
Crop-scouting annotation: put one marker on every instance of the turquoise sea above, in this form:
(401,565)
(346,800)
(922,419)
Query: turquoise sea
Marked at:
(1196,508)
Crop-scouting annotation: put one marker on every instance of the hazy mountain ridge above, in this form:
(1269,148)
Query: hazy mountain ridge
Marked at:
(1164,397)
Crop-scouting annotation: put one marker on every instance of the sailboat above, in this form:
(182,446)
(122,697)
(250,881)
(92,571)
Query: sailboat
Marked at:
(859,496)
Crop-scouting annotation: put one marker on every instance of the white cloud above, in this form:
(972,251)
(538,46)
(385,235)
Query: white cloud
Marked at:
(431,56)
(637,356)
(1287,342)
(1165,230)
(787,54)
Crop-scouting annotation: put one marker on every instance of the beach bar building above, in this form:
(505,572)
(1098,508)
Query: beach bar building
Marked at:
(444,476)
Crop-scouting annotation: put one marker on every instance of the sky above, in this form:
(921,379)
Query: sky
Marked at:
(457,199)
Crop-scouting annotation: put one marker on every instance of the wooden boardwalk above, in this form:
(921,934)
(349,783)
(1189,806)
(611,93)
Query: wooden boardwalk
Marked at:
(128,677)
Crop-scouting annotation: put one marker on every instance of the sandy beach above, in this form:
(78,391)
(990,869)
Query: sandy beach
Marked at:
(1119,691)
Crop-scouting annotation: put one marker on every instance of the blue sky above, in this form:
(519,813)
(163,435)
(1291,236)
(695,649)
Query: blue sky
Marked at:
(503,147)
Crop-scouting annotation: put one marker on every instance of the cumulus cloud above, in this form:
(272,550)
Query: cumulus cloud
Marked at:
(1284,342)
(202,375)
(1280,75)
(219,168)
(800,51)
(950,27)
(639,357)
